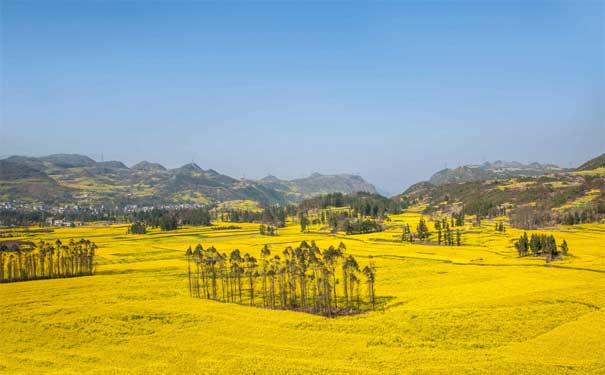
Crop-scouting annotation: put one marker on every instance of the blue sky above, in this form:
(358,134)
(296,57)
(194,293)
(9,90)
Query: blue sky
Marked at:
(392,91)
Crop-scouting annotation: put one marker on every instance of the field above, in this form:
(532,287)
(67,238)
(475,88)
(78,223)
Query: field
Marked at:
(474,309)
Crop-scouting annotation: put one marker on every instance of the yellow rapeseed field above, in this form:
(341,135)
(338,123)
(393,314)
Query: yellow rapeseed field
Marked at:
(474,309)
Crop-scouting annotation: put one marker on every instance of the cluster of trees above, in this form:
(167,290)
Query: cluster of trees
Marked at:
(345,220)
(361,226)
(362,203)
(500,227)
(137,228)
(422,230)
(458,219)
(407,235)
(336,220)
(274,215)
(21,261)
(267,230)
(540,244)
(590,214)
(447,238)
(444,235)
(168,220)
(303,278)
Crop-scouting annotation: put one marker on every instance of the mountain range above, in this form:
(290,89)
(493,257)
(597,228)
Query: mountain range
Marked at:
(71,178)
(495,188)
(492,171)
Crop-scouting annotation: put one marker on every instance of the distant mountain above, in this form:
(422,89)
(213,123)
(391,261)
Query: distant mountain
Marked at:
(67,178)
(595,163)
(316,184)
(492,171)
(148,166)
(495,189)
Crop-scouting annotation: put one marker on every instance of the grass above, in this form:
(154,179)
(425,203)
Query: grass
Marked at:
(475,309)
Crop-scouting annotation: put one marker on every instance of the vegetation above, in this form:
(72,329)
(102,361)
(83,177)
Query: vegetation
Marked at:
(267,230)
(361,203)
(137,228)
(530,202)
(302,278)
(170,219)
(67,179)
(443,234)
(361,226)
(23,261)
(272,215)
(540,244)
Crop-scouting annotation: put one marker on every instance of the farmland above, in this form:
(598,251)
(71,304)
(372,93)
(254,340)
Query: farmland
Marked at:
(473,309)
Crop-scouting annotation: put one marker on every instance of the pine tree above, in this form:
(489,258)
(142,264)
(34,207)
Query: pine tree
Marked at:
(564,247)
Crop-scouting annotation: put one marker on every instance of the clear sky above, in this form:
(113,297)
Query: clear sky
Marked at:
(392,91)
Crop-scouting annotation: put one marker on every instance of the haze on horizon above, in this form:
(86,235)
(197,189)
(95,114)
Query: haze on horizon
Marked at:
(389,91)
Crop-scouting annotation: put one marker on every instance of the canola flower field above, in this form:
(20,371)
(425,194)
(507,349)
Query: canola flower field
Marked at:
(473,309)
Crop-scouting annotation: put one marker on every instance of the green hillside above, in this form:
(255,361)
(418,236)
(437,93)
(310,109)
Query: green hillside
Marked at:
(66,178)
(562,196)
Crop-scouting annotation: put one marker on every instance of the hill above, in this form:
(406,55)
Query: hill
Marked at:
(317,184)
(598,162)
(68,178)
(491,171)
(559,196)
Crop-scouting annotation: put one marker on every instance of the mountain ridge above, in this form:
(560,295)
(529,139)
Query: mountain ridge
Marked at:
(494,170)
(73,178)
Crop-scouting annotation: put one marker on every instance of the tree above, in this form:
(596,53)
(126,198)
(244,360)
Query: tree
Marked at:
(188,255)
(265,253)
(349,268)
(236,270)
(304,221)
(137,228)
(168,222)
(197,259)
(564,247)
(370,275)
(423,230)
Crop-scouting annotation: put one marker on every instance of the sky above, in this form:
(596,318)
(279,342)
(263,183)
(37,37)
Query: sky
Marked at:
(393,91)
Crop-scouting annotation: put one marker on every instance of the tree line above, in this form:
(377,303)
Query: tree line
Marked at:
(21,261)
(273,215)
(361,203)
(302,278)
(540,244)
(362,225)
(341,220)
(591,213)
(443,234)
(168,220)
